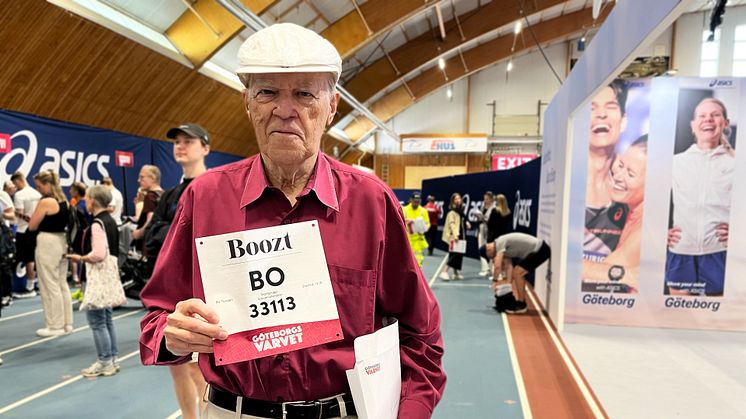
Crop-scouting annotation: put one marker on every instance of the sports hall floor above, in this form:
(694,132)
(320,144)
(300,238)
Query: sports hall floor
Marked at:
(40,378)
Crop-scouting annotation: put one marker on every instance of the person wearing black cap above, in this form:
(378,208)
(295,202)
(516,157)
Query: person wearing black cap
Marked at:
(527,253)
(191,146)
(418,222)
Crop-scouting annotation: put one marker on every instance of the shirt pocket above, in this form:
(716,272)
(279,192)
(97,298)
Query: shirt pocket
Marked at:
(354,292)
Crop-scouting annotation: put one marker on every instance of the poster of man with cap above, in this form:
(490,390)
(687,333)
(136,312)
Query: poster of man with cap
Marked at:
(418,222)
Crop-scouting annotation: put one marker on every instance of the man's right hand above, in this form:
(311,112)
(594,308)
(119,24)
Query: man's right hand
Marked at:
(674,235)
(192,327)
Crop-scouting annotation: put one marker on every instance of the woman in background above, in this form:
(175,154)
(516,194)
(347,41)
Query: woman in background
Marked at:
(101,242)
(50,219)
(454,229)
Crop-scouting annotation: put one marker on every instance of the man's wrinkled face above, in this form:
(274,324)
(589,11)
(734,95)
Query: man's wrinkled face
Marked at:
(290,112)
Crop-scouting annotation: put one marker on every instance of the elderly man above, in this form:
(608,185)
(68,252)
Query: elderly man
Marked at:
(290,75)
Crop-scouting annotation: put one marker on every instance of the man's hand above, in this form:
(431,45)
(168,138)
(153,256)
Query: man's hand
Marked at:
(192,327)
(674,235)
(721,231)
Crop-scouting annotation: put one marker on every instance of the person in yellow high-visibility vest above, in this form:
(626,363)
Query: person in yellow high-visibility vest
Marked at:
(418,222)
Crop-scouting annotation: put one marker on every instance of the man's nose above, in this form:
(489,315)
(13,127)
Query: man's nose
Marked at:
(285,106)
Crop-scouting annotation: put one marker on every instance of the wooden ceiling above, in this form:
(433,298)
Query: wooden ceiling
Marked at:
(59,65)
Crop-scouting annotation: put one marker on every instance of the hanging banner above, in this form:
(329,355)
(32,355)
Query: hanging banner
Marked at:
(660,246)
(510,161)
(455,144)
(86,154)
(78,153)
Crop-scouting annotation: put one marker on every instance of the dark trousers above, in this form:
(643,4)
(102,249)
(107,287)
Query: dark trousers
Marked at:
(6,280)
(431,235)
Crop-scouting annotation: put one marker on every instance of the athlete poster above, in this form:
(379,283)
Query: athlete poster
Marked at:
(661,246)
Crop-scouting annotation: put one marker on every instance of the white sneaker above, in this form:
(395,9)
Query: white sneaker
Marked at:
(47,332)
(458,276)
(68,329)
(484,273)
(24,295)
(444,276)
(99,368)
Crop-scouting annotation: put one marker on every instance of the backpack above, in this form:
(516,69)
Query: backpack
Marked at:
(76,224)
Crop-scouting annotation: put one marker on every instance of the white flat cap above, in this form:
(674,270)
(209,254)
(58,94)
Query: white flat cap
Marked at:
(288,48)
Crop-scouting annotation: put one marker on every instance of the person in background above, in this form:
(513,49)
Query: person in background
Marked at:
(433,212)
(78,203)
(101,240)
(191,146)
(488,207)
(139,201)
(499,223)
(50,219)
(6,258)
(290,97)
(116,207)
(25,200)
(454,229)
(527,253)
(418,222)
(150,182)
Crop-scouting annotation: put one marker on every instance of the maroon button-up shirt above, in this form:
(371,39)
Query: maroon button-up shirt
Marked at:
(372,269)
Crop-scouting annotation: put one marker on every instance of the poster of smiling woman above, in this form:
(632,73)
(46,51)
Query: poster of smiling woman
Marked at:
(615,186)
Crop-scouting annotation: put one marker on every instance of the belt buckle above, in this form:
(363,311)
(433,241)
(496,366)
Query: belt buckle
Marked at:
(317,405)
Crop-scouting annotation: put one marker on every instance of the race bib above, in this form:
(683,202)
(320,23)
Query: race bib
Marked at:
(271,289)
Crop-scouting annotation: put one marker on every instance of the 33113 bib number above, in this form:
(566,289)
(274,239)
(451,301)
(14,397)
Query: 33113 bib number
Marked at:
(272,307)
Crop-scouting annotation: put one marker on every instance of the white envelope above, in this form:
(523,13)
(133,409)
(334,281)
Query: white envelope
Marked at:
(375,381)
(418,226)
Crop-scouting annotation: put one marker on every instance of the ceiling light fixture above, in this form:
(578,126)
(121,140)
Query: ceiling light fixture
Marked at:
(518,27)
(449,92)
(441,63)
(510,65)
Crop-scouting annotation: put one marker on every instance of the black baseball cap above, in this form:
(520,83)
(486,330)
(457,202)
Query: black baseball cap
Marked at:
(190,129)
(416,196)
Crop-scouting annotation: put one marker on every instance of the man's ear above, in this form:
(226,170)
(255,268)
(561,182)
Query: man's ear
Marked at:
(333,103)
(245,96)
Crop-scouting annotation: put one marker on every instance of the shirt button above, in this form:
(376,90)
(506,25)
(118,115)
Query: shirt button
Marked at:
(286,221)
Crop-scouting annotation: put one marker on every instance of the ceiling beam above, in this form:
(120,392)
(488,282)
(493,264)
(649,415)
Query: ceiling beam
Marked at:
(475,59)
(425,48)
(200,34)
(350,33)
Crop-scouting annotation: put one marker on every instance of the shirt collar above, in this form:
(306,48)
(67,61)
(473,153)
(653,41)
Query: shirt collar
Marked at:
(321,182)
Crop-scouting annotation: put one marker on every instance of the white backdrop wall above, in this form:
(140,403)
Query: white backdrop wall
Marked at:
(688,47)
